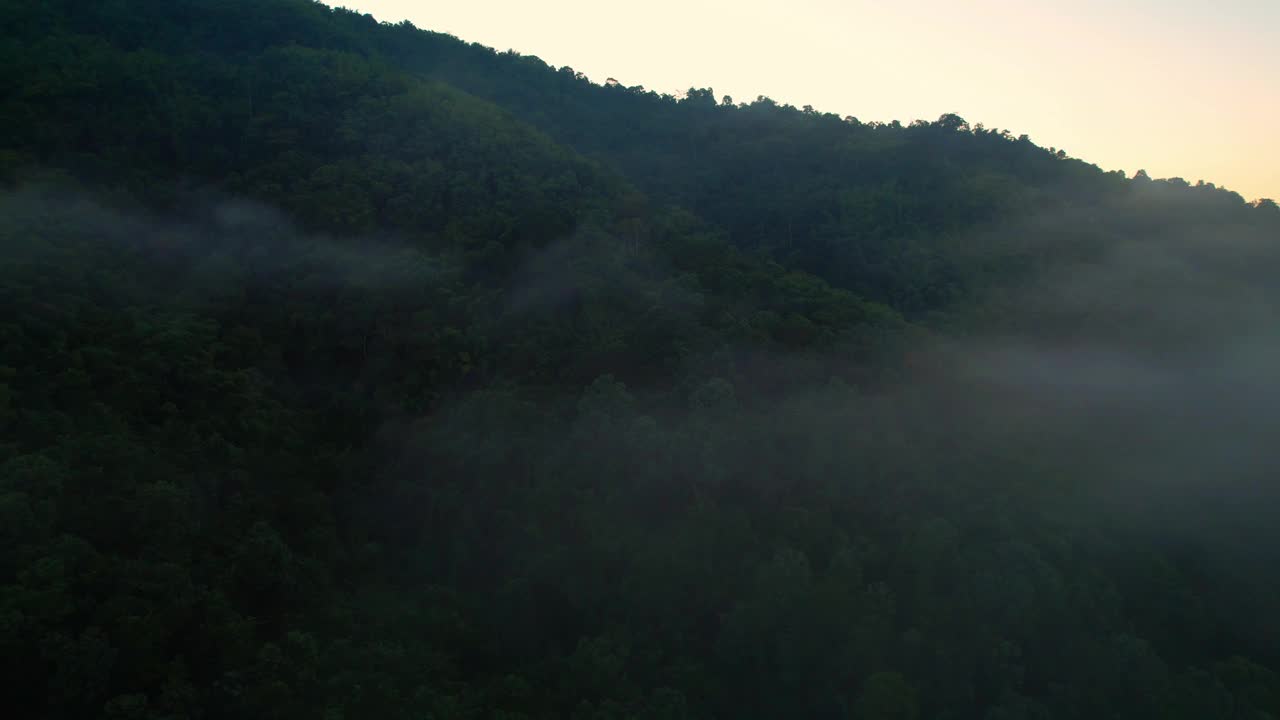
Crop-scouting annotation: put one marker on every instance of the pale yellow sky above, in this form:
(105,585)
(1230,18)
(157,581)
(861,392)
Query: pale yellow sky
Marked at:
(1186,88)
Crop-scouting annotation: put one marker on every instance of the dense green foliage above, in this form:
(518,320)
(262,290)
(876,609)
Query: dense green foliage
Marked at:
(348,370)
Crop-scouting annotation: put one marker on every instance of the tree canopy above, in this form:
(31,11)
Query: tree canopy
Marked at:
(350,370)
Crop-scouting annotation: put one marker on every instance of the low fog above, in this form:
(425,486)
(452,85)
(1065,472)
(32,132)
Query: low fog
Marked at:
(1131,390)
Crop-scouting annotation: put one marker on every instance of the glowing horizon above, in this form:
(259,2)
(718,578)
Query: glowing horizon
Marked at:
(1169,86)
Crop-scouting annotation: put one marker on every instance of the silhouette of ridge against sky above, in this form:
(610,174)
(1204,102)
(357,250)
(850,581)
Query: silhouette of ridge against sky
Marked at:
(1180,88)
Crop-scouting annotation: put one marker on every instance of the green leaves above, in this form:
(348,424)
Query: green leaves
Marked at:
(887,696)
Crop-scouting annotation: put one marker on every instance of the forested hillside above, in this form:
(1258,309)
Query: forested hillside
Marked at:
(348,370)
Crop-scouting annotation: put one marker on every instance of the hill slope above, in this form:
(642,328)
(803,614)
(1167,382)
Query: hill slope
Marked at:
(353,371)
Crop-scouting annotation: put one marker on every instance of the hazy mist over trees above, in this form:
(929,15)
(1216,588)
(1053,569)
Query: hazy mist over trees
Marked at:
(348,370)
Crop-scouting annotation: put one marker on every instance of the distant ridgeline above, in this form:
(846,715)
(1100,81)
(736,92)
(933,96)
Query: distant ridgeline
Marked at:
(348,370)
